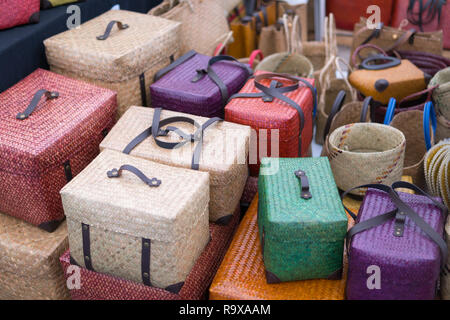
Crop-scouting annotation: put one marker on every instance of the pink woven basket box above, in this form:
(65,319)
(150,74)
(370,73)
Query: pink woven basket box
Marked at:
(50,129)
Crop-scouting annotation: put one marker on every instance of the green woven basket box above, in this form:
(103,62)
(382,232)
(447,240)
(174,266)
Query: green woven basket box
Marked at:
(302,223)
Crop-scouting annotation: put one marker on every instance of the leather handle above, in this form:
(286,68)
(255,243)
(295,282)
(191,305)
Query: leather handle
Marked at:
(304,181)
(109,27)
(366,104)
(337,106)
(50,95)
(116,173)
(419,94)
(365,46)
(389,62)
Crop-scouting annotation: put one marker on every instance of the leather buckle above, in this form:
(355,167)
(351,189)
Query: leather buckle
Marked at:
(399,225)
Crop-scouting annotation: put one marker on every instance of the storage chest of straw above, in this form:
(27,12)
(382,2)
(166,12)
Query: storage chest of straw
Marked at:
(224,153)
(29,266)
(125,61)
(148,233)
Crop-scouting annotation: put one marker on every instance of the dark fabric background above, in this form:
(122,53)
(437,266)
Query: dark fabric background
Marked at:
(22,49)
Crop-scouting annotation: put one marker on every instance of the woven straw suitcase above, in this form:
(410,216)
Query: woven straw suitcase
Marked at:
(407,259)
(221,150)
(123,58)
(46,138)
(302,222)
(241,275)
(136,219)
(203,23)
(198,84)
(14,13)
(275,121)
(98,286)
(29,265)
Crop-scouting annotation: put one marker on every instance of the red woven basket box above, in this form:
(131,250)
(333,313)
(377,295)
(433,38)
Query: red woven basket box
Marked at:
(98,286)
(264,113)
(18,12)
(50,129)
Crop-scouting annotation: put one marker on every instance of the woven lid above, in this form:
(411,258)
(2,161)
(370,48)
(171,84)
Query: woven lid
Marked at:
(291,217)
(30,251)
(224,151)
(124,54)
(128,205)
(55,129)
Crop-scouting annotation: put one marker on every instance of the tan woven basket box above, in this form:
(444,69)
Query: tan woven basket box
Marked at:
(224,153)
(146,222)
(29,261)
(125,60)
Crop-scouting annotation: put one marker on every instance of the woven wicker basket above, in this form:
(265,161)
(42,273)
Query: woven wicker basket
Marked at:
(98,286)
(241,275)
(437,170)
(29,266)
(203,23)
(441,95)
(290,63)
(145,231)
(125,61)
(363,153)
(445,281)
(224,154)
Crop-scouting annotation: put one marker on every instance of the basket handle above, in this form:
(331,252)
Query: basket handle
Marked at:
(418,94)
(428,112)
(337,106)
(109,27)
(389,62)
(116,173)
(50,95)
(390,111)
(253,56)
(305,192)
(364,46)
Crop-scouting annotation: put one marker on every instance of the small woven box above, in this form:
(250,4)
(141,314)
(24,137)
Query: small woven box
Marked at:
(137,219)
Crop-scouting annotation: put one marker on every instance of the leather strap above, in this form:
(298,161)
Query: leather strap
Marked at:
(86,246)
(68,171)
(109,27)
(145,261)
(34,102)
(116,173)
(365,46)
(143,89)
(173,65)
(389,62)
(304,184)
(374,35)
(365,108)
(155,131)
(337,105)
(408,36)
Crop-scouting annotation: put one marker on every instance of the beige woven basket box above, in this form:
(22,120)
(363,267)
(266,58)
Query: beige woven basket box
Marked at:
(224,152)
(29,261)
(118,50)
(137,219)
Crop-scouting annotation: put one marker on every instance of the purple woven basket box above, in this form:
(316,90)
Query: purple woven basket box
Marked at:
(383,266)
(198,84)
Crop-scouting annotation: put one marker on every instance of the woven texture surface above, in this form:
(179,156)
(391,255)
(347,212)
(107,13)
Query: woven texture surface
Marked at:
(14,13)
(33,151)
(445,280)
(122,211)
(441,95)
(302,238)
(97,286)
(265,118)
(363,153)
(409,264)
(224,153)
(250,190)
(284,62)
(203,23)
(176,91)
(118,61)
(241,275)
(29,261)
(437,170)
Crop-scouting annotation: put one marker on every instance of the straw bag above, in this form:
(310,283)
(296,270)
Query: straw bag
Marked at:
(351,112)
(441,95)
(389,38)
(29,265)
(437,167)
(279,108)
(400,234)
(199,84)
(50,129)
(98,286)
(362,153)
(330,88)
(418,141)
(202,23)
(14,13)
(216,146)
(228,5)
(241,275)
(299,8)
(390,78)
(292,235)
(47,4)
(137,219)
(122,58)
(423,15)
